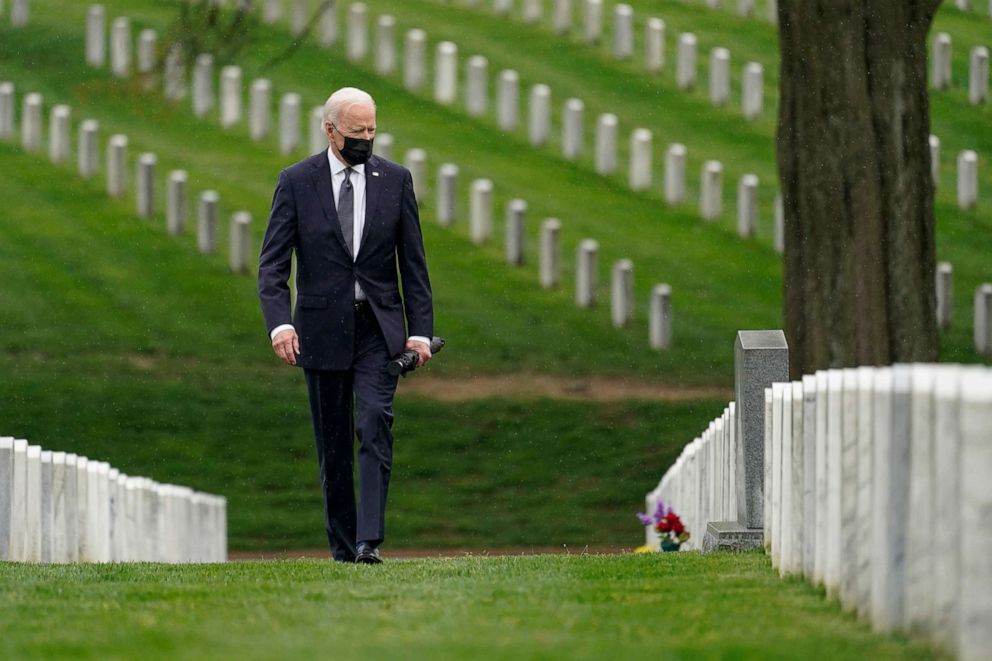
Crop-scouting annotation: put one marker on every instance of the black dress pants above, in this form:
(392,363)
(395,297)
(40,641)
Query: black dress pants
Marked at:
(334,394)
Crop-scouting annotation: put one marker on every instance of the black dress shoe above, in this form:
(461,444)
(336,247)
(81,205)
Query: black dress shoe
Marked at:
(367,554)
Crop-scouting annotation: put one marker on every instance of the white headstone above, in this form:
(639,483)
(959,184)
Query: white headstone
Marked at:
(586,273)
(502,7)
(967,179)
(847,575)
(622,293)
(562,17)
(747,206)
(206,224)
(19,13)
(623,31)
(385,45)
(117,165)
(592,21)
(785,477)
(863,528)
(329,25)
(144,185)
(481,211)
(793,558)
(175,216)
(660,318)
(516,214)
(978,75)
(147,51)
(572,119)
(447,194)
(272,11)
(446,73)
(19,502)
(477,86)
(508,100)
(774,486)
(640,159)
(415,53)
(532,11)
(58,134)
(539,124)
(357,31)
(259,107)
(935,159)
(752,92)
(745,8)
(945,294)
(96,36)
(719,76)
(820,470)
(230,96)
(175,74)
(606,144)
(203,85)
(298,17)
(6,109)
(33,505)
(550,253)
(675,173)
(383,145)
(416,163)
(290,107)
(31,122)
(82,509)
(654,45)
(983,320)
(711,191)
(240,241)
(317,137)
(6,494)
(779,224)
(685,72)
(120,47)
(940,75)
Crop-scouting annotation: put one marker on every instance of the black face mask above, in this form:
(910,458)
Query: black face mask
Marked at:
(356,150)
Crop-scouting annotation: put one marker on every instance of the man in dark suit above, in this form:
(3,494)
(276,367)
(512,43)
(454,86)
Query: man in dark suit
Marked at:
(352,219)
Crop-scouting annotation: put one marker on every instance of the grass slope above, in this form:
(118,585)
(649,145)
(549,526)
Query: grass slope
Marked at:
(669,606)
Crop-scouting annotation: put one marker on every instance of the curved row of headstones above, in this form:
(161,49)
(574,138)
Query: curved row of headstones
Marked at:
(941,77)
(62,507)
(875,486)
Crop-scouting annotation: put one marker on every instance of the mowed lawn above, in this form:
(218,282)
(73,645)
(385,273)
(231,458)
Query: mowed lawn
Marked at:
(680,606)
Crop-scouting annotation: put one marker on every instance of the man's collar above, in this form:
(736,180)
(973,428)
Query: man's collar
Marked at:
(338,166)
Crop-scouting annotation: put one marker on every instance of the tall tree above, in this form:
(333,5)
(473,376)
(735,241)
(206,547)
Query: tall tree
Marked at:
(854,164)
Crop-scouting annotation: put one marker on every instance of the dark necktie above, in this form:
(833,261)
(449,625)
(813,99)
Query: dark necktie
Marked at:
(346,211)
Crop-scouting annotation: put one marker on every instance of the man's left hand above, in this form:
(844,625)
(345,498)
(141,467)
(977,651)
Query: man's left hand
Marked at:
(423,351)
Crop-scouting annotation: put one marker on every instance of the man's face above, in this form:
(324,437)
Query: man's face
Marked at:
(355,121)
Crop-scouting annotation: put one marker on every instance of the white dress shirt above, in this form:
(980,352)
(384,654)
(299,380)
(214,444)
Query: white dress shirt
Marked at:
(358,188)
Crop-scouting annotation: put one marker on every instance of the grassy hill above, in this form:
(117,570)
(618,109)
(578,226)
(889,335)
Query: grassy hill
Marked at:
(121,342)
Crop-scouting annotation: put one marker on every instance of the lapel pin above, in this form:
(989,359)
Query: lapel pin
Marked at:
(375,174)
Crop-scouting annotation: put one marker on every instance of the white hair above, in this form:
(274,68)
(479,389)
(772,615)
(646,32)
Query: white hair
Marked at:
(343,99)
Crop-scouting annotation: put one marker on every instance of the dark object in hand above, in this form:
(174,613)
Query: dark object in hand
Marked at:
(407,361)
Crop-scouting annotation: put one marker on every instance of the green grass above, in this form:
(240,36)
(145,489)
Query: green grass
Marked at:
(544,607)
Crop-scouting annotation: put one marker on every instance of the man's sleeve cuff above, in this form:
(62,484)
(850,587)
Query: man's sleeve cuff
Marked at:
(280,328)
(419,338)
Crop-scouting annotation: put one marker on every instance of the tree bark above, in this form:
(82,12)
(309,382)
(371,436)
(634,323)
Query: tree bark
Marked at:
(854,164)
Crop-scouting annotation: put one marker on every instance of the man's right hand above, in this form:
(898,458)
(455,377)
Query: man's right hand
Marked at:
(286,345)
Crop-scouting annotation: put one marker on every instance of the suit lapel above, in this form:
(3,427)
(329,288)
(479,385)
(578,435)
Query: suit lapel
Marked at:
(373,187)
(321,174)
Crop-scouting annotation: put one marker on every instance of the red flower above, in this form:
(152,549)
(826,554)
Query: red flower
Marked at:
(664,525)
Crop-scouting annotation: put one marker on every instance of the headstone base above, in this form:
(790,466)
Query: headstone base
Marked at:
(731,536)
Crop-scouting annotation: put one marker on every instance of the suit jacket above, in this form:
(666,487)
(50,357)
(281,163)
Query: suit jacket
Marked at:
(304,219)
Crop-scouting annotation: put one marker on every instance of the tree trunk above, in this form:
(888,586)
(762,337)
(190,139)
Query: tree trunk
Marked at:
(854,164)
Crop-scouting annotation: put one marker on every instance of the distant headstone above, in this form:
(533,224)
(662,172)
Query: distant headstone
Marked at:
(416,163)
(753,90)
(414,55)
(203,85)
(385,45)
(572,120)
(446,73)
(978,75)
(539,117)
(357,47)
(935,159)
(117,165)
(747,206)
(58,134)
(516,214)
(532,11)
(328,25)
(654,45)
(719,76)
(586,273)
(622,293)
(144,185)
(640,159)
(660,318)
(272,11)
(6,109)
(317,137)
(175,74)
(983,320)
(508,100)
(6,493)
(502,7)
(96,36)
(447,194)
(623,31)
(383,145)
(147,51)
(592,21)
(477,86)
(606,144)
(779,224)
(967,179)
(259,107)
(120,47)
(88,150)
(945,294)
(675,173)
(31,122)
(711,191)
(549,262)
(19,13)
(481,211)
(206,222)
(562,17)
(33,505)
(240,246)
(289,122)
(940,75)
(685,72)
(298,17)
(175,209)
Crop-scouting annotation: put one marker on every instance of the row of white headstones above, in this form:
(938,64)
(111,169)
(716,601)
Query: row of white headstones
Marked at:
(875,487)
(61,507)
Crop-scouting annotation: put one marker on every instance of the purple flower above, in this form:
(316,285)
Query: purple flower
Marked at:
(652,519)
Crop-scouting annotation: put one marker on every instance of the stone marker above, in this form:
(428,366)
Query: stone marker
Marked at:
(935,159)
(82,508)
(33,505)
(63,504)
(446,73)
(206,224)
(532,11)
(586,273)
(967,179)
(835,420)
(447,194)
(117,165)
(983,320)
(508,100)
(88,151)
(58,134)
(357,47)
(539,116)
(317,138)
(516,214)
(719,76)
(660,318)
(561,18)
(863,530)
(481,211)
(383,145)
(416,163)
(175,209)
(477,86)
(745,8)
(289,122)
(571,139)
(175,74)
(919,559)
(96,36)
(385,45)
(18,501)
(771,11)
(272,12)
(240,241)
(230,97)
(675,173)
(747,206)
(623,31)
(550,253)
(606,144)
(259,108)
(502,7)
(6,109)
(940,75)
(774,483)
(144,185)
(654,45)
(120,47)
(792,556)
(415,52)
(945,294)
(147,52)
(779,224)
(19,13)
(752,91)
(298,17)
(711,191)
(592,21)
(848,531)
(820,488)
(203,85)
(329,25)
(6,494)
(31,122)
(685,72)
(978,75)
(622,293)
(640,159)
(963,5)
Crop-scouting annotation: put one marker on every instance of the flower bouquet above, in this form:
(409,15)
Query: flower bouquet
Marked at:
(668,525)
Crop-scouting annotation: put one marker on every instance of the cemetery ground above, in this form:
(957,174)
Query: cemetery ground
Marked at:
(679,605)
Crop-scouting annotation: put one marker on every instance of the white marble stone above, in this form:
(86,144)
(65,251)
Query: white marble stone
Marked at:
(298,17)
(290,120)
(32,503)
(6,109)
(983,320)
(675,157)
(572,129)
(203,85)
(120,47)
(639,176)
(144,185)
(416,163)
(660,319)
(835,443)
(240,241)
(786,541)
(447,194)
(946,573)
(719,76)
(752,91)
(747,206)
(561,17)
(358,32)
(103,512)
(532,11)
(766,496)
(175,202)
(809,474)
(47,505)
(272,11)
(477,86)
(967,179)
(117,165)
(259,108)
(935,159)
(516,218)
(508,100)
(480,215)
(685,68)
(82,509)
(383,145)
(206,222)
(96,36)
(70,507)
(606,144)
(414,59)
(940,60)
(58,134)
(446,73)
(945,294)
(774,486)
(539,115)
(623,31)
(745,8)
(586,273)
(328,28)
(622,293)
(6,494)
(820,453)
(863,532)
(31,122)
(792,554)
(230,97)
(385,45)
(317,139)
(848,529)
(502,7)
(654,45)
(779,230)
(592,21)
(19,13)
(550,253)
(978,75)
(711,191)
(174,79)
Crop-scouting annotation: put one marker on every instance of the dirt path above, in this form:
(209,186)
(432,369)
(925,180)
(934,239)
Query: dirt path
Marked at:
(410,554)
(595,388)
